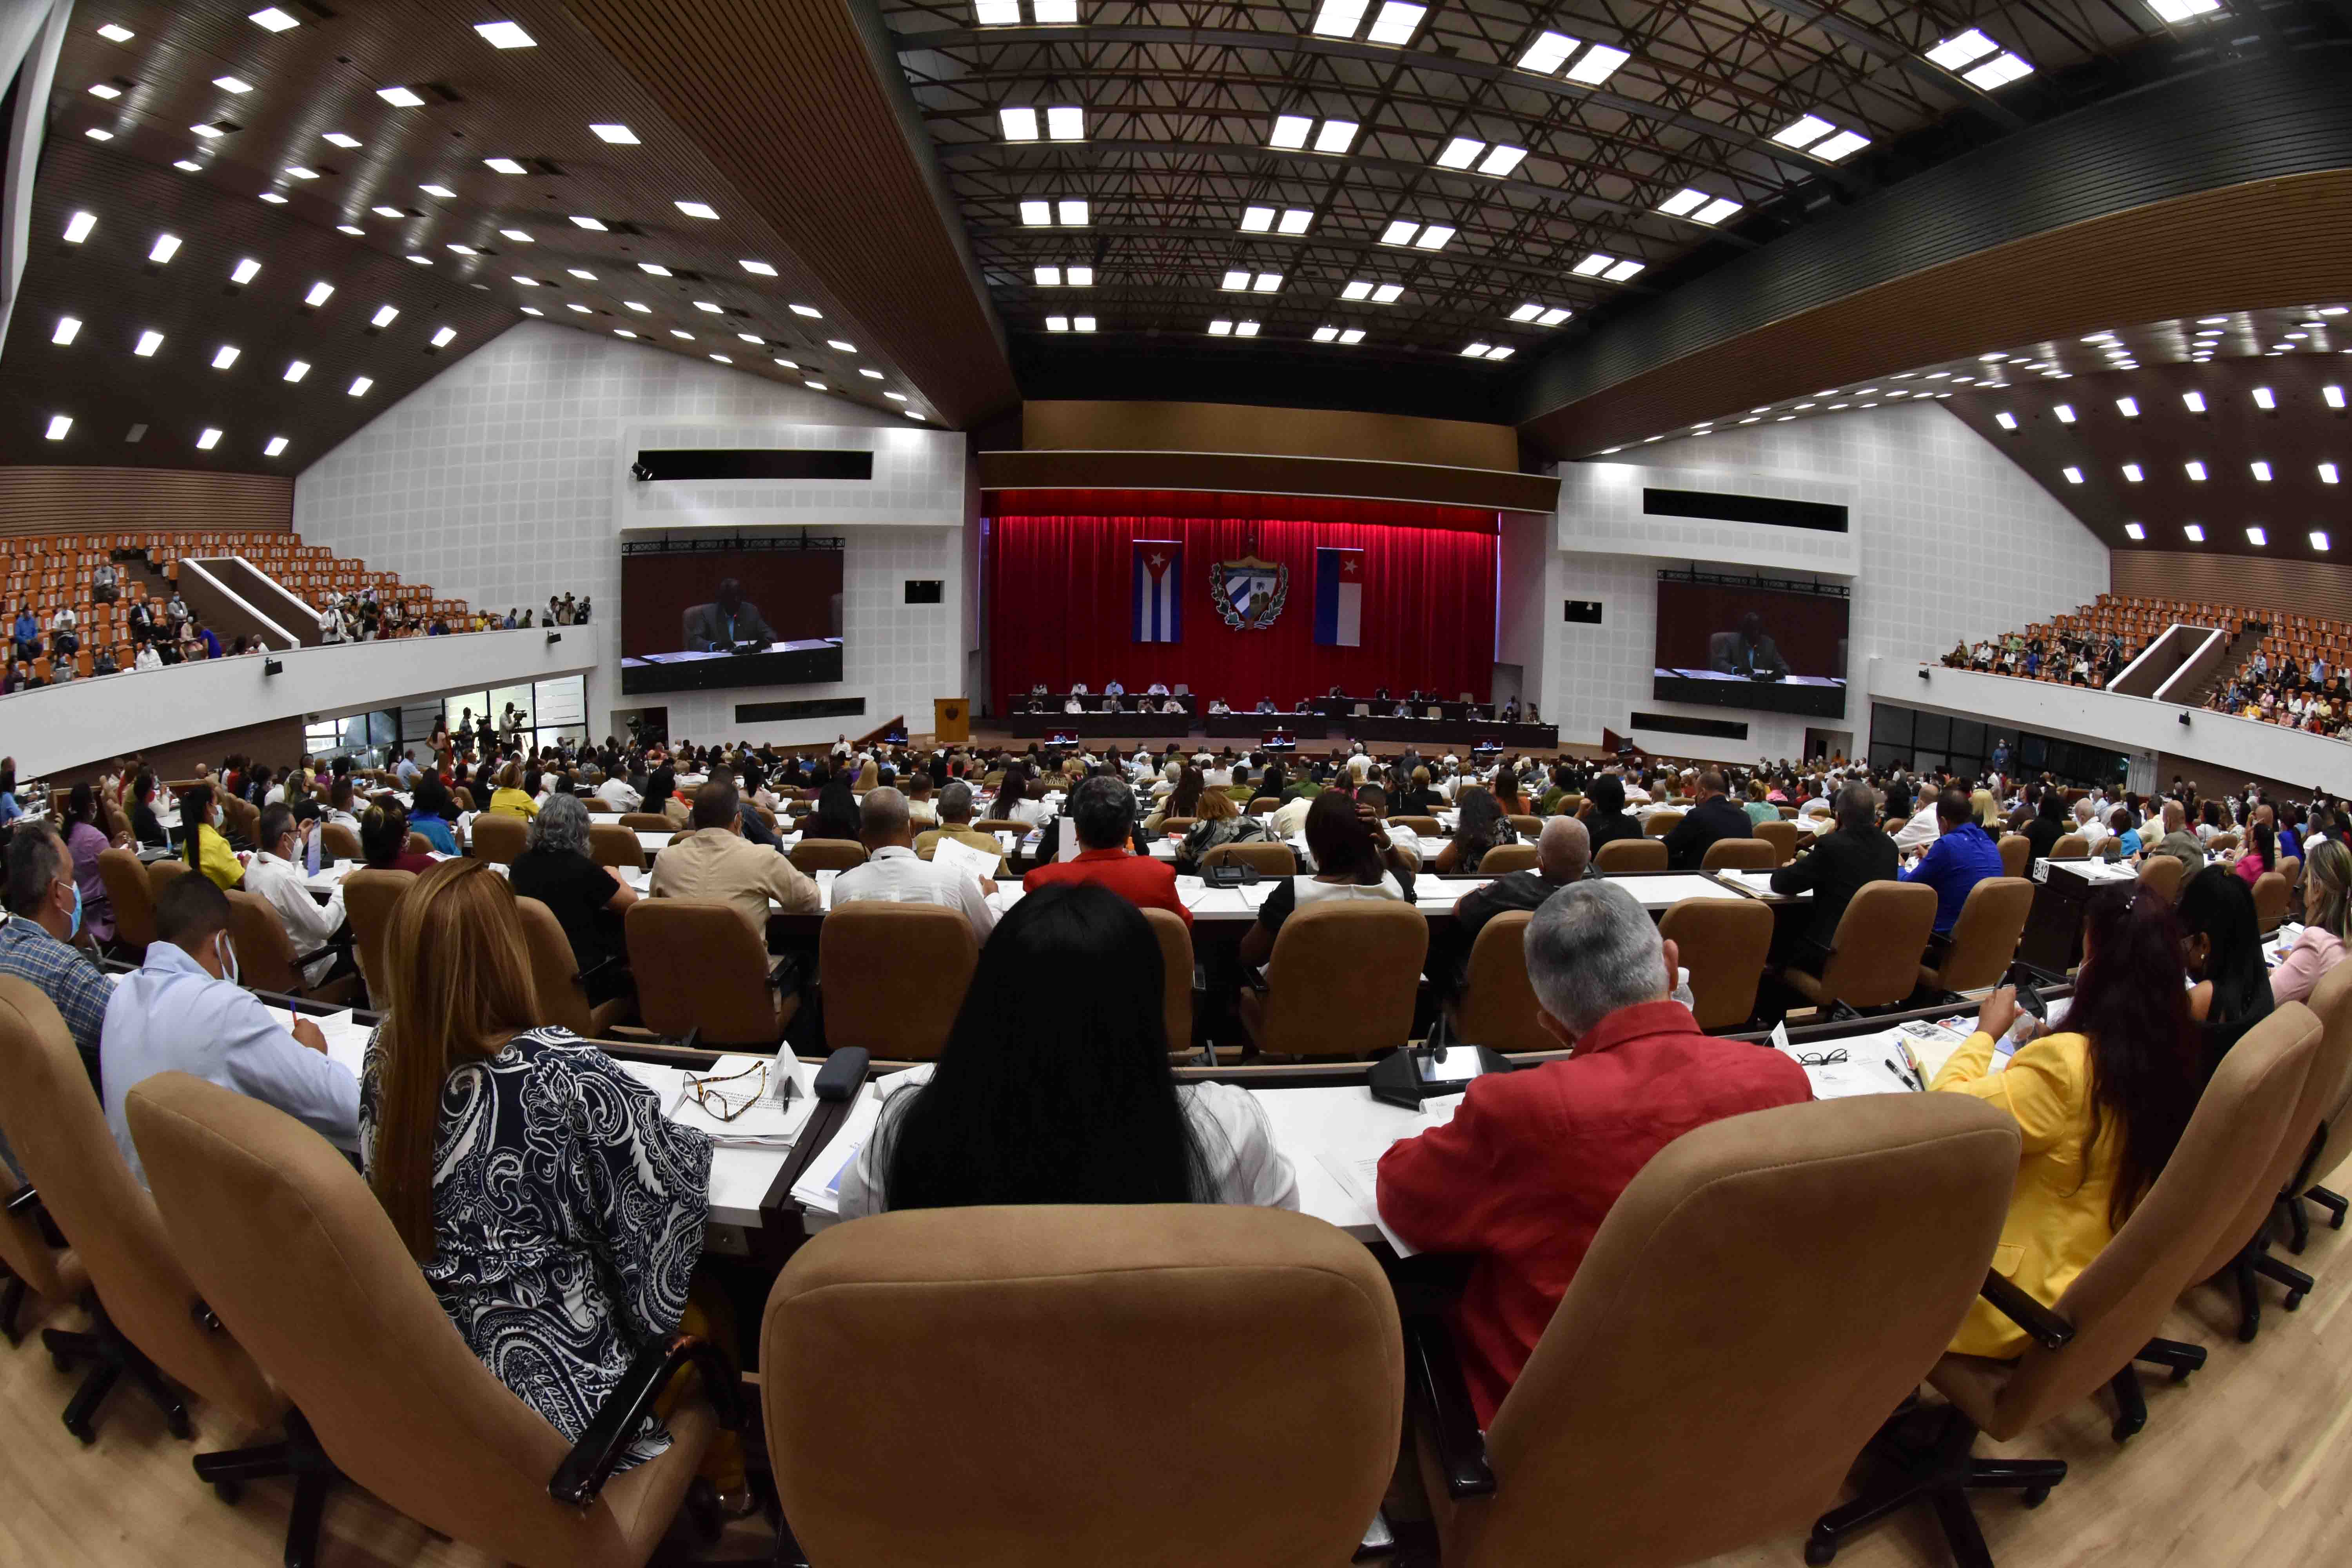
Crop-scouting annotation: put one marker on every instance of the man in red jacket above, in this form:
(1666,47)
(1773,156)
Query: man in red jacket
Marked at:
(1102,809)
(1533,1161)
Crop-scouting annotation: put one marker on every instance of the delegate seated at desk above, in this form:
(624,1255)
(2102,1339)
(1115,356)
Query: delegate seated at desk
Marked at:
(1747,652)
(1531,1163)
(728,620)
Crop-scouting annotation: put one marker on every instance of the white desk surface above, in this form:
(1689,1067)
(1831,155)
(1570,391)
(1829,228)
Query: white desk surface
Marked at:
(1345,1120)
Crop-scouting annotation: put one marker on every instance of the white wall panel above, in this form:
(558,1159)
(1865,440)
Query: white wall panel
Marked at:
(501,481)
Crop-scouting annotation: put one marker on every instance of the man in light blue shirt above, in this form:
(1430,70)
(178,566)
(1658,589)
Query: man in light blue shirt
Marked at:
(184,1012)
(405,770)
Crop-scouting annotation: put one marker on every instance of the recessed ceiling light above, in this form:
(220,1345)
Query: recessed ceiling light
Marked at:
(676,333)
(2193,532)
(399,97)
(706,306)
(841,345)
(98,134)
(896,396)
(1081,277)
(655,267)
(443,192)
(209,439)
(795,364)
(225,356)
(591,223)
(870,374)
(1221,328)
(1018,124)
(911,415)
(208,132)
(2073,476)
(623,332)
(1070,214)
(1051,277)
(360,387)
(581,273)
(641,308)
(105,90)
(190,164)
(271,17)
(2065,413)
(166,246)
(244,271)
(2134,531)
(695,209)
(68,328)
(2265,397)
(748,337)
(2195,471)
(2178,11)
(350,228)
(576,306)
(2128,407)
(464,250)
(809,310)
(230,84)
(319,293)
(505,35)
(531,310)
(2333,394)
(757,269)
(2327,473)
(273,198)
(78,227)
(340,140)
(506,165)
(816,386)
(381,210)
(384,316)
(149,341)
(618,135)
(115,35)
(277,446)
(2256,537)
(722,359)
(2133,472)
(420,260)
(59,424)
(1058,323)
(298,172)
(1802,131)
(296,369)
(442,339)
(2261,472)
(2193,401)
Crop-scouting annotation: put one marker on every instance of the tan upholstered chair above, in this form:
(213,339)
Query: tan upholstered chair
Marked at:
(299,1261)
(1984,938)
(1526,824)
(2270,892)
(2242,1254)
(2069,847)
(1769,1263)
(1424,826)
(1875,960)
(418,844)
(146,1306)
(1723,943)
(337,842)
(369,894)
(1505,859)
(1497,1005)
(2222,843)
(1271,859)
(906,1360)
(2108,1317)
(2165,873)
(498,836)
(1741,854)
(815,854)
(244,819)
(701,972)
(1002,825)
(555,976)
(2016,850)
(1661,824)
(132,896)
(610,844)
(162,871)
(2331,1000)
(266,956)
(1176,977)
(1261,803)
(1620,855)
(892,977)
(646,822)
(1342,980)
(54,1274)
(1783,837)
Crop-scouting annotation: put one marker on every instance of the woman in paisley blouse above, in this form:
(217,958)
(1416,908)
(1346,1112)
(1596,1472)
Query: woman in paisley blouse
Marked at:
(557,1215)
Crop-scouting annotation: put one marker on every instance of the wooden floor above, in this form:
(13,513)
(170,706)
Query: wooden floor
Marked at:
(2251,1462)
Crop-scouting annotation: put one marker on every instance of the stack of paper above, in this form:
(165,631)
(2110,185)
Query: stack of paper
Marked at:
(958,856)
(1879,1063)
(347,1038)
(740,1107)
(819,1187)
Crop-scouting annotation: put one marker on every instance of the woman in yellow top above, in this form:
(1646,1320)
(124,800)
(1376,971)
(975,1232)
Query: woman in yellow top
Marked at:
(510,796)
(203,842)
(2102,1106)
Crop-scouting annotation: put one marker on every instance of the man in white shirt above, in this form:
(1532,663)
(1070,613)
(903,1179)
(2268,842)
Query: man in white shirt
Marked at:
(148,657)
(1922,829)
(1217,776)
(2091,826)
(184,1012)
(1160,689)
(1078,688)
(1071,705)
(1217,706)
(275,876)
(406,771)
(330,626)
(615,794)
(894,874)
(1170,705)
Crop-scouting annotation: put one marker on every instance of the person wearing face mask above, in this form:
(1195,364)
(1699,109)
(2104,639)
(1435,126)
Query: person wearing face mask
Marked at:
(184,1011)
(44,915)
(275,876)
(206,845)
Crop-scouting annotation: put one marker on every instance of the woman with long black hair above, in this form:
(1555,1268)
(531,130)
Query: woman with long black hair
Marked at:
(2102,1104)
(1054,1086)
(1353,859)
(2223,950)
(203,842)
(1480,828)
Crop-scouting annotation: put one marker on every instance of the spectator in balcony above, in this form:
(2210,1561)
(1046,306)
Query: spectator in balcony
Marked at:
(580,617)
(148,657)
(65,633)
(102,589)
(103,663)
(27,632)
(555,617)
(202,635)
(175,613)
(330,624)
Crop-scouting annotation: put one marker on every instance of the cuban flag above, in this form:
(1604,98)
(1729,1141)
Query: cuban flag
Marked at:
(1158,603)
(1338,598)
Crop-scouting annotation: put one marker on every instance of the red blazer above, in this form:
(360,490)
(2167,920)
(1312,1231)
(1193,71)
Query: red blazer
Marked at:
(1533,1161)
(1138,879)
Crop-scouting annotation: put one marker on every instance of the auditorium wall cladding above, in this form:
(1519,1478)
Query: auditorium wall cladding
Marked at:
(1071,596)
(506,471)
(1951,540)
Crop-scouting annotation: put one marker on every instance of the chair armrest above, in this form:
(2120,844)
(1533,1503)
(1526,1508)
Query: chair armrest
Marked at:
(1441,1400)
(2046,1327)
(24,1201)
(325,950)
(590,1464)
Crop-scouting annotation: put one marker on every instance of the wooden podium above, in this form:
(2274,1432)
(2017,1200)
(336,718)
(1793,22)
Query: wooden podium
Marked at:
(950,720)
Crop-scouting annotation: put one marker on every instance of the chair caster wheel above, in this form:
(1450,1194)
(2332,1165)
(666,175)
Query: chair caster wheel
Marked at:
(2181,1375)
(2336,1222)
(2034,1497)
(60,1363)
(229,1492)
(2294,1299)
(176,1422)
(2123,1432)
(1819,1551)
(2246,1333)
(84,1431)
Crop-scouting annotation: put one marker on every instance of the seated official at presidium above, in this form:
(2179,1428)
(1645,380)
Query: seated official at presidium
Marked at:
(728,620)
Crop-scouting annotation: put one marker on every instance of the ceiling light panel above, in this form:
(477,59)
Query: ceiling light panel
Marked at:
(505,35)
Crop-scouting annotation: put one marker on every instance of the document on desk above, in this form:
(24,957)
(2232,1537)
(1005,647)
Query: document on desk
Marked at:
(347,1037)
(819,1187)
(1879,1063)
(1754,881)
(1429,892)
(1356,1167)
(741,1103)
(968,859)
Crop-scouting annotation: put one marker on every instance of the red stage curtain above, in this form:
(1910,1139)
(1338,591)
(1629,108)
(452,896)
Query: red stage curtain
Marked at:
(1059,609)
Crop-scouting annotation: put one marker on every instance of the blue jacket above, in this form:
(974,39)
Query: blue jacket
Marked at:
(1954,863)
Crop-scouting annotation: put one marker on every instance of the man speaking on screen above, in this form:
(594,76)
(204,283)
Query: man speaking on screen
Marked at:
(1747,652)
(726,622)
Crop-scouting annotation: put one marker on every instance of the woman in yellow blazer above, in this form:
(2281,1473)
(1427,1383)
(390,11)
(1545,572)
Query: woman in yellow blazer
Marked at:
(510,796)
(203,843)
(2102,1105)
